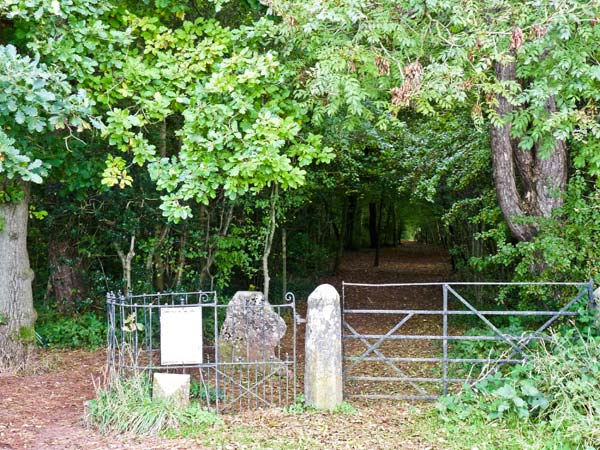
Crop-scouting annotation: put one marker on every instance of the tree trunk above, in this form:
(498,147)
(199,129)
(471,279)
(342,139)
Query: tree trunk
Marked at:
(160,233)
(269,241)
(373,224)
(394,226)
(341,236)
(350,222)
(17,315)
(543,178)
(66,273)
(126,263)
(181,259)
(155,263)
(212,239)
(378,232)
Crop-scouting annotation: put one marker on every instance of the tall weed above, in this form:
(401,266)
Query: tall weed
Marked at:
(126,406)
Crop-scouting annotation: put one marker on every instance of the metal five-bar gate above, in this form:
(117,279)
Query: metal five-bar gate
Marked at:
(418,340)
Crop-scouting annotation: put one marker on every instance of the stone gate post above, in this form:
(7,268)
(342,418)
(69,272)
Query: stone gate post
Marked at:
(323,349)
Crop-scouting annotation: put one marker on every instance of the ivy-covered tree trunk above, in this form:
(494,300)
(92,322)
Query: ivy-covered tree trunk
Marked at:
(66,273)
(537,186)
(17,315)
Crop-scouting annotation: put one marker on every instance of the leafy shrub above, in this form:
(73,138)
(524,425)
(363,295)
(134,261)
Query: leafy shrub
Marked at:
(87,330)
(502,397)
(126,406)
(553,396)
(484,349)
(568,243)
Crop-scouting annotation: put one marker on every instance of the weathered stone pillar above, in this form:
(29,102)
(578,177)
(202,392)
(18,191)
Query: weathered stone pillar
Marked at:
(323,349)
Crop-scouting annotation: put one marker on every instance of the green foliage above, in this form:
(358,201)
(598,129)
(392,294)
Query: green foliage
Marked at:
(567,246)
(462,156)
(11,193)
(220,104)
(35,214)
(485,349)
(344,408)
(299,406)
(126,406)
(502,397)
(35,99)
(115,172)
(87,330)
(553,395)
(367,59)
(305,258)
(198,391)
(239,127)
(27,335)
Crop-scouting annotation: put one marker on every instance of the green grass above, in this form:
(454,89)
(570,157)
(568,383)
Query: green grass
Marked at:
(126,406)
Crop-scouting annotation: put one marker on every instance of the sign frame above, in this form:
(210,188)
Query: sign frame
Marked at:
(181,340)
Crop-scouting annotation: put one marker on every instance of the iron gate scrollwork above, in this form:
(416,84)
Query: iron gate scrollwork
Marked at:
(221,384)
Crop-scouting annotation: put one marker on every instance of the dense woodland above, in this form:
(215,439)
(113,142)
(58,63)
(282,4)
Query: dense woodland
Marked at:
(170,145)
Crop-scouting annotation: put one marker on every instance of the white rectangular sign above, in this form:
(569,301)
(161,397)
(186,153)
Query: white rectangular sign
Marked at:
(181,335)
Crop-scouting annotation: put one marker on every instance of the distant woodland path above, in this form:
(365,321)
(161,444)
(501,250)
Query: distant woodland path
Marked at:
(409,262)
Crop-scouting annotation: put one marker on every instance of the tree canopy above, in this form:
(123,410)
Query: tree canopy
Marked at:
(162,145)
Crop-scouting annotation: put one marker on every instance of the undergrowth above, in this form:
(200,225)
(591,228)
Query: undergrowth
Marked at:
(126,406)
(550,402)
(87,330)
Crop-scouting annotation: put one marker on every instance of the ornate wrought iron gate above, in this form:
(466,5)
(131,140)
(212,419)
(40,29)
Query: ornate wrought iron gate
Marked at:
(380,362)
(221,382)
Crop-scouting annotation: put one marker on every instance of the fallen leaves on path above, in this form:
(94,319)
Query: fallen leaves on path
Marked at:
(44,411)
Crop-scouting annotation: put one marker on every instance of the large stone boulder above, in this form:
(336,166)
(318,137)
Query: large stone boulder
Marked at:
(251,331)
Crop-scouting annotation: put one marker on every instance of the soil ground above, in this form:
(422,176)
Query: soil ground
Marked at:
(44,411)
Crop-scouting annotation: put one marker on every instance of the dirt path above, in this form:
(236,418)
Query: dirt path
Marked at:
(43,412)
(410,263)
